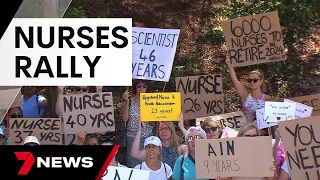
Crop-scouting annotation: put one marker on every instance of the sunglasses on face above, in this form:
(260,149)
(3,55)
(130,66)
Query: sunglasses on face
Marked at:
(166,129)
(254,80)
(31,144)
(16,116)
(213,129)
(141,86)
(83,89)
(192,138)
(107,138)
(251,135)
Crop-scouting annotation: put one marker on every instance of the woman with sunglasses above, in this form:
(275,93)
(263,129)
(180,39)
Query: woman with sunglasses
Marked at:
(131,116)
(109,139)
(250,129)
(254,98)
(13,112)
(170,150)
(212,129)
(184,167)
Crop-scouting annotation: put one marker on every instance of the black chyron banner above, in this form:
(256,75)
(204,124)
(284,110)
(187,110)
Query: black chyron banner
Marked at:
(7,12)
(83,158)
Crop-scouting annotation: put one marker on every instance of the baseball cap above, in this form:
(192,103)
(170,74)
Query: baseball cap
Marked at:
(31,139)
(152,140)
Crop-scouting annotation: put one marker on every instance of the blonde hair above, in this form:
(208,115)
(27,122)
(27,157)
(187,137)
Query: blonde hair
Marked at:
(246,127)
(261,76)
(212,123)
(174,139)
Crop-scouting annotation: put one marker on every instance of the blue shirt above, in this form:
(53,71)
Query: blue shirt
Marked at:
(188,167)
(31,107)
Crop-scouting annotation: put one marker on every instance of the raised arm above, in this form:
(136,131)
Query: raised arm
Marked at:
(241,90)
(59,105)
(181,125)
(136,153)
(125,111)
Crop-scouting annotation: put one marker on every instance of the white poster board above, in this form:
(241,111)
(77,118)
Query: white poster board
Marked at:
(123,173)
(302,110)
(279,111)
(260,120)
(153,52)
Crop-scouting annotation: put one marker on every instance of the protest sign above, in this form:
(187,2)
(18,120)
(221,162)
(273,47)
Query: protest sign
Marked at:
(160,106)
(47,130)
(254,39)
(123,173)
(302,110)
(88,112)
(261,123)
(232,120)
(17,101)
(201,95)
(310,100)
(301,140)
(229,133)
(279,111)
(234,157)
(153,52)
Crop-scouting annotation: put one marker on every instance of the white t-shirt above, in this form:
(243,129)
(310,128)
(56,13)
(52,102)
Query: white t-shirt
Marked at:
(159,174)
(120,165)
(285,166)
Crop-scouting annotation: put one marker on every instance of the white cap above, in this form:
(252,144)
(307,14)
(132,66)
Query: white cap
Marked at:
(152,140)
(1,132)
(31,139)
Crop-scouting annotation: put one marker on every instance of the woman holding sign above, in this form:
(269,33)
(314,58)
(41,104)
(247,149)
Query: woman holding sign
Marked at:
(254,98)
(131,116)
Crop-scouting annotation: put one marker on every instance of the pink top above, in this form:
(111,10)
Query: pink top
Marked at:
(280,154)
(251,105)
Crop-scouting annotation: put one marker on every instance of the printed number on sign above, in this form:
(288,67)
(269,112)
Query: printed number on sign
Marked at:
(194,105)
(154,110)
(72,140)
(81,120)
(248,27)
(18,136)
(151,56)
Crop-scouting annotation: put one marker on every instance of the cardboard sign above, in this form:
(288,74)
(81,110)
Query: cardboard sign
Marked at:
(234,157)
(47,130)
(17,101)
(232,120)
(153,52)
(261,123)
(302,110)
(123,173)
(88,112)
(254,39)
(160,106)
(301,139)
(311,100)
(229,133)
(279,111)
(201,95)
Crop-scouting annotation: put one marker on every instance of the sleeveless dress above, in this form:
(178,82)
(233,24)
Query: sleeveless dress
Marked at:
(251,105)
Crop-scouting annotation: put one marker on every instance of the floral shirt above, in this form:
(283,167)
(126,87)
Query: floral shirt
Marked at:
(251,105)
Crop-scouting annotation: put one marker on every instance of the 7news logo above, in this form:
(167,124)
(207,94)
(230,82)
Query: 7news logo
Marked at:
(51,162)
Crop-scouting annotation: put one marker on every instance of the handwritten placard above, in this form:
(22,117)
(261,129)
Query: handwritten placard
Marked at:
(123,173)
(301,139)
(302,110)
(153,53)
(232,120)
(47,130)
(229,133)
(279,111)
(261,123)
(88,112)
(310,100)
(160,106)
(201,96)
(254,39)
(234,157)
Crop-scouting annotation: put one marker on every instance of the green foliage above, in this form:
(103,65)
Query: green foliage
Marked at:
(75,12)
